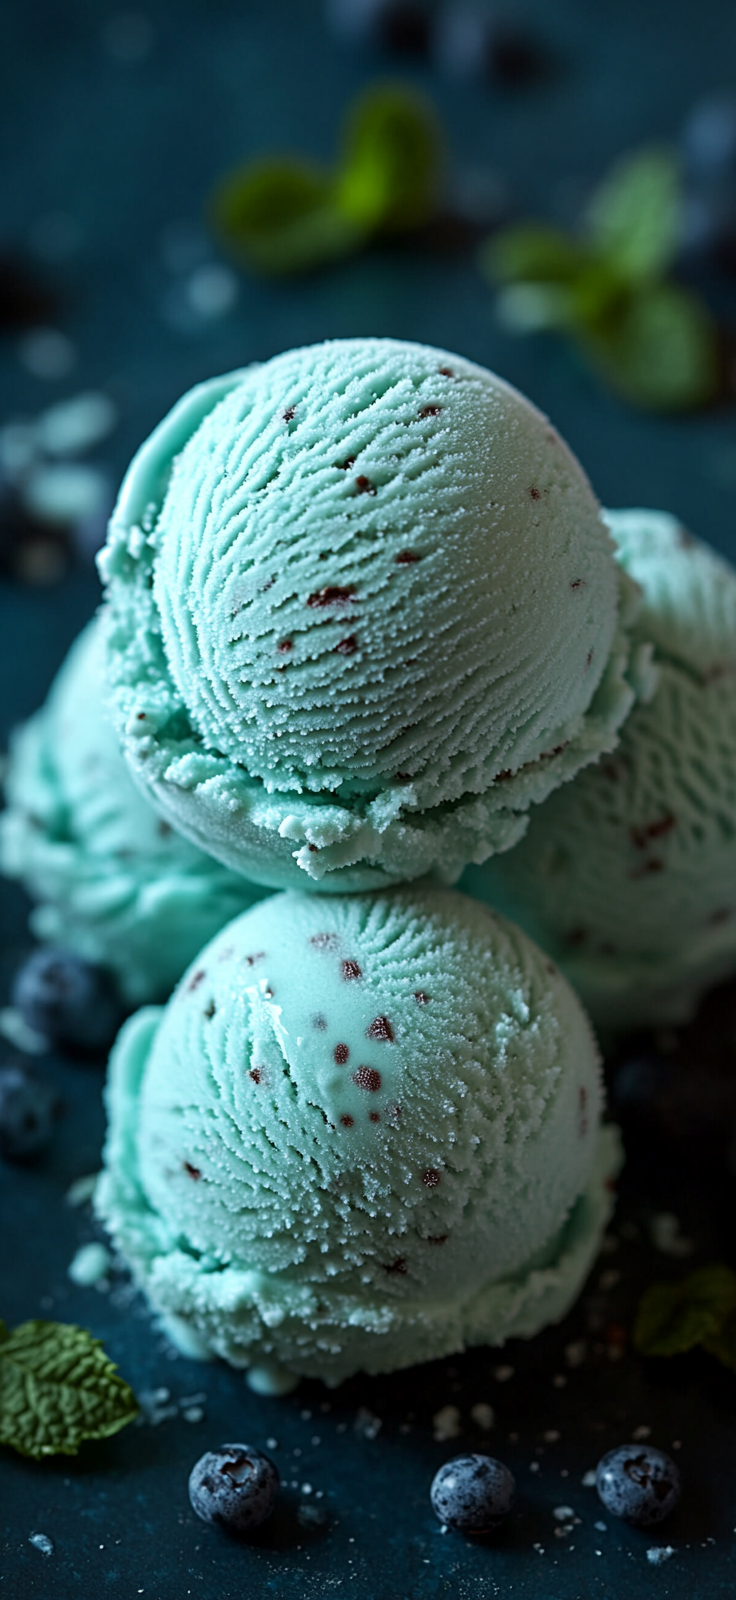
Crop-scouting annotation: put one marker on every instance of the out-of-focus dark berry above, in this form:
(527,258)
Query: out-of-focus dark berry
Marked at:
(709,138)
(473,1493)
(73,1003)
(235,1487)
(638,1483)
(27,1106)
(395,25)
(24,302)
(31,551)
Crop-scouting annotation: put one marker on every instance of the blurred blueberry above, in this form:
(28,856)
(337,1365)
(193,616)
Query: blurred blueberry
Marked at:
(709,138)
(517,59)
(235,1487)
(462,41)
(472,1493)
(27,1107)
(393,24)
(639,1483)
(61,995)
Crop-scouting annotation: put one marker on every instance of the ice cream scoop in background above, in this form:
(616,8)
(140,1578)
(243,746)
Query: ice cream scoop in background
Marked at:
(627,876)
(112,879)
(365,1132)
(362,612)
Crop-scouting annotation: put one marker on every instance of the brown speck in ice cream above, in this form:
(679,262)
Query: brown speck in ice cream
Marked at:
(431,1178)
(140,716)
(374,1116)
(331,595)
(583,1111)
(403,777)
(250,961)
(193,1172)
(347,647)
(367,1078)
(405,558)
(255,1074)
(446,372)
(437,1238)
(588,659)
(347,463)
(319,1022)
(341,1053)
(397,1266)
(430,411)
(535,493)
(577,583)
(350,970)
(640,837)
(364,485)
(421,997)
(195,980)
(314,849)
(289,414)
(380,1028)
(347,1122)
(324,941)
(209,1010)
(285,646)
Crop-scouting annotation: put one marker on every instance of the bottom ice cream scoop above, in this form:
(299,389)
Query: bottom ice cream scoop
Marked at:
(112,880)
(364,1132)
(627,875)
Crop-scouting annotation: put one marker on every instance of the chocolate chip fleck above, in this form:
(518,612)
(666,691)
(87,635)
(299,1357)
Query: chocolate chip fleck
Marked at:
(347,1122)
(367,1078)
(347,463)
(285,646)
(364,485)
(406,557)
(195,981)
(289,414)
(577,583)
(640,837)
(194,1172)
(380,1028)
(535,493)
(332,595)
(446,372)
(341,1053)
(347,647)
(260,955)
(430,411)
(374,1116)
(350,969)
(431,1178)
(324,941)
(255,1074)
(319,1022)
(398,1266)
(422,999)
(209,1010)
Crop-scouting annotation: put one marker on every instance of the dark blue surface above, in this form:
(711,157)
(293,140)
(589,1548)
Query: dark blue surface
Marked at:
(126,150)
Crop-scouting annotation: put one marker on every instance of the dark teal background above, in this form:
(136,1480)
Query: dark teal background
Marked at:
(128,150)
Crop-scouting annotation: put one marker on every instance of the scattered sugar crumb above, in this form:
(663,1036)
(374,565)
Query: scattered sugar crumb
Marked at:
(551,1436)
(366,1425)
(664,1229)
(563,1513)
(90,1265)
(533,1466)
(502,1374)
(81,1190)
(658,1553)
(446,1423)
(609,1279)
(642,1432)
(483,1414)
(588,1479)
(601,1527)
(42,1542)
(559,1381)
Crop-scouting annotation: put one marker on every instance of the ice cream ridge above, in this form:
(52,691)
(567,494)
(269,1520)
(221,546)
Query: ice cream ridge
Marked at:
(364,1132)
(362,612)
(627,875)
(111,879)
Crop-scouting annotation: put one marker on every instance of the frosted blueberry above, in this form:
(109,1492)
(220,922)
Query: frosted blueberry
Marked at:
(235,1487)
(472,1493)
(63,996)
(638,1482)
(27,1106)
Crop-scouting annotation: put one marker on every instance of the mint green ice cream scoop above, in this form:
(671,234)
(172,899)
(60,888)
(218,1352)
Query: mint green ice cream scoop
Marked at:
(364,1132)
(628,875)
(362,612)
(110,877)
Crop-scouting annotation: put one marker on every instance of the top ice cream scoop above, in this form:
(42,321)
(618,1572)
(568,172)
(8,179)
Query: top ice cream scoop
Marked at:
(362,611)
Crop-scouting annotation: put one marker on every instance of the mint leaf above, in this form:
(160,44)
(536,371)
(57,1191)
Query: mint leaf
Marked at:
(57,1387)
(282,217)
(674,1317)
(388,175)
(634,215)
(532,253)
(658,349)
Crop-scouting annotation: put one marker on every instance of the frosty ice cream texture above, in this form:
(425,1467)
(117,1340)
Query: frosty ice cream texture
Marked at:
(363,1133)
(362,612)
(112,879)
(627,876)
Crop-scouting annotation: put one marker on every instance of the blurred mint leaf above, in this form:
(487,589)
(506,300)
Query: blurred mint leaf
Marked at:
(281,216)
(57,1387)
(658,349)
(388,175)
(674,1317)
(633,217)
(723,1344)
(532,253)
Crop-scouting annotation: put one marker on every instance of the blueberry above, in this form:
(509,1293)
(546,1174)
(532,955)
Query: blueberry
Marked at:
(472,1493)
(235,1487)
(61,995)
(398,25)
(638,1482)
(27,1106)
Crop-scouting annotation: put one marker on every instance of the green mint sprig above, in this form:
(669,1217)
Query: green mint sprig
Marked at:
(57,1387)
(700,1310)
(287,215)
(608,288)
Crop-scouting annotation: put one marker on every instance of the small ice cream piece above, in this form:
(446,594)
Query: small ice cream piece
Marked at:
(362,612)
(113,881)
(364,1132)
(628,875)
